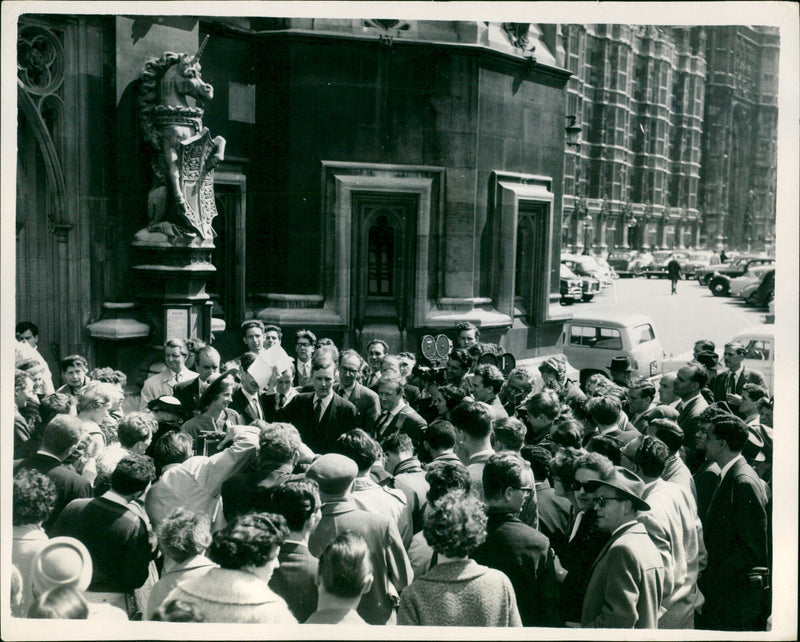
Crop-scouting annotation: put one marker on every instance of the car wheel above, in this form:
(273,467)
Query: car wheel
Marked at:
(588,297)
(719,288)
(649,275)
(566,301)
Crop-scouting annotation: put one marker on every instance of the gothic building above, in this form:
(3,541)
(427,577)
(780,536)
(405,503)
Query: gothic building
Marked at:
(678,141)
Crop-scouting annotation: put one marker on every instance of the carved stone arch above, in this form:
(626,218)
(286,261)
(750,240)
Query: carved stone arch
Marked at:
(52,163)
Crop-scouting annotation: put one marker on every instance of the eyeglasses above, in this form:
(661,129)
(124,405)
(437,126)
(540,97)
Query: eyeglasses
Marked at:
(588,486)
(601,501)
(525,490)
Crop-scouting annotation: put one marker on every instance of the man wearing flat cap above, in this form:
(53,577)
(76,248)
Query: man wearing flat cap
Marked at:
(391,568)
(627,580)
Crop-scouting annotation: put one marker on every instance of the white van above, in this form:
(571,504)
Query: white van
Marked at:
(591,342)
(759,345)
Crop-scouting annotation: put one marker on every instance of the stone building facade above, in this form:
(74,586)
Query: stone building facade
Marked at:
(382,179)
(670,117)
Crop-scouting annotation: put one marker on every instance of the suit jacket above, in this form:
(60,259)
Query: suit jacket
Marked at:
(406,421)
(391,569)
(675,529)
(626,583)
(301,380)
(366,402)
(117,539)
(525,556)
(338,418)
(161,384)
(295,579)
(706,480)
(69,484)
(736,536)
(554,515)
(22,436)
(188,393)
(240,404)
(577,558)
(719,385)
(272,411)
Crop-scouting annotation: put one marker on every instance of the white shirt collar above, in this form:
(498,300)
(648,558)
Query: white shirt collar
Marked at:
(738,372)
(728,466)
(397,408)
(115,497)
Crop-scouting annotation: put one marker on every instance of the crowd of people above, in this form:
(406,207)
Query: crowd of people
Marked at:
(350,489)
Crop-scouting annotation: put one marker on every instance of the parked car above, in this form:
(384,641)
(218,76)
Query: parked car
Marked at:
(763,292)
(584,265)
(661,258)
(571,286)
(720,281)
(752,275)
(736,266)
(694,261)
(626,264)
(759,344)
(591,342)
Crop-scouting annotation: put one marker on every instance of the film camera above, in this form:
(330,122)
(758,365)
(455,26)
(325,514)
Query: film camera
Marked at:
(435,351)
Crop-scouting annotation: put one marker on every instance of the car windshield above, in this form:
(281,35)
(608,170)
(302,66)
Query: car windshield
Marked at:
(661,256)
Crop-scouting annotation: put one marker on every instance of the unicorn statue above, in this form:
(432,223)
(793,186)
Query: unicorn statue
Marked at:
(180,204)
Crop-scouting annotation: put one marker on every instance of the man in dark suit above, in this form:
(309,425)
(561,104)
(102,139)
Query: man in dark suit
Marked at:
(397,415)
(274,404)
(114,530)
(351,364)
(688,385)
(321,416)
(61,437)
(727,386)
(189,392)
(513,547)
(736,580)
(391,568)
(247,399)
(304,349)
(295,579)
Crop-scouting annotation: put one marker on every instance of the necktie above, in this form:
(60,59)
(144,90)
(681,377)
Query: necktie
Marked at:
(732,382)
(382,421)
(256,408)
(281,399)
(318,409)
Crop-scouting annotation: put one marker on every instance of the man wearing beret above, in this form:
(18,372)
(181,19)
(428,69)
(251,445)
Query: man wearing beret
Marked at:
(391,567)
(627,580)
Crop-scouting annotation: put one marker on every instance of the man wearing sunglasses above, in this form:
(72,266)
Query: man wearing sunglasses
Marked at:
(627,581)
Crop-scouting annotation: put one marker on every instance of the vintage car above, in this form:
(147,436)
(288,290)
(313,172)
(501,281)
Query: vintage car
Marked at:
(658,268)
(591,342)
(584,265)
(735,265)
(571,286)
(695,260)
(759,345)
(626,263)
(761,293)
(720,281)
(752,275)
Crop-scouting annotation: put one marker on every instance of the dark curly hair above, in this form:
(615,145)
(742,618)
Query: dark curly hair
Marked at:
(445,476)
(34,497)
(456,524)
(358,446)
(563,464)
(252,540)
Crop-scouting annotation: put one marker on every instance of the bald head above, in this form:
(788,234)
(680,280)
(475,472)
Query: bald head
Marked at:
(666,390)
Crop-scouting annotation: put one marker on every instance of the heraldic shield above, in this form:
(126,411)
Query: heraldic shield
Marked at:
(197,183)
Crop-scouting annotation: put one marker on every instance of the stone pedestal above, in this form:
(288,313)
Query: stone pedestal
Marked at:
(171,287)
